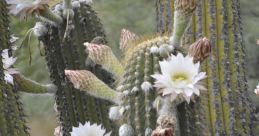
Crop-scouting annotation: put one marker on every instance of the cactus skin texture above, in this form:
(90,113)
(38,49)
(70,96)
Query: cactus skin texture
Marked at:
(12,118)
(68,52)
(140,64)
(224,109)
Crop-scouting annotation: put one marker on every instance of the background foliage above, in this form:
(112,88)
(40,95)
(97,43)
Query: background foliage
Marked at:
(135,15)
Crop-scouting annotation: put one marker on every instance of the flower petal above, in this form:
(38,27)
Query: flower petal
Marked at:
(179,75)
(8,78)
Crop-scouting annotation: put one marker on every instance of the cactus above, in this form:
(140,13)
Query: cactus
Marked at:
(224,109)
(64,50)
(141,64)
(140,109)
(217,111)
(12,118)
(134,91)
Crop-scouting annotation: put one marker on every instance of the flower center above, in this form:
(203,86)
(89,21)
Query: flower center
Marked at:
(179,77)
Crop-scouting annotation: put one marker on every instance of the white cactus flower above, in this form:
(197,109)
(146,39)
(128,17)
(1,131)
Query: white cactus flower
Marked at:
(179,76)
(257,90)
(89,130)
(7,63)
(25,8)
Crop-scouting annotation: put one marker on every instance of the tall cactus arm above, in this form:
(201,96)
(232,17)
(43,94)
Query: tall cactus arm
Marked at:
(182,16)
(29,86)
(103,55)
(12,117)
(88,82)
(68,52)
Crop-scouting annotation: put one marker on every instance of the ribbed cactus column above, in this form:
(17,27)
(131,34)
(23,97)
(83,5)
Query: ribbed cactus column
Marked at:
(142,60)
(12,119)
(65,50)
(224,109)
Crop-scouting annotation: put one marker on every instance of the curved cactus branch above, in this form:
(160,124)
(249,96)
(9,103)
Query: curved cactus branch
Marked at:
(29,86)
(103,55)
(86,81)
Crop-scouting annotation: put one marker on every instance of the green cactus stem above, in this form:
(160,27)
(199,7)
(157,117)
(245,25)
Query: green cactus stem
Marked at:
(12,118)
(86,81)
(64,53)
(141,64)
(29,86)
(182,15)
(103,55)
(224,109)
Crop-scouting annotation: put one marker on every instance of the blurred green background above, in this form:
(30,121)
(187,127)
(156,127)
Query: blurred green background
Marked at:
(135,15)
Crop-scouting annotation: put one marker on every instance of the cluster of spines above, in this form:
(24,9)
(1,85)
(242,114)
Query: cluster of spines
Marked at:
(148,94)
(165,16)
(218,110)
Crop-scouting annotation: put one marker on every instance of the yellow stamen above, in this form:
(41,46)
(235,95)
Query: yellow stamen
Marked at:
(179,77)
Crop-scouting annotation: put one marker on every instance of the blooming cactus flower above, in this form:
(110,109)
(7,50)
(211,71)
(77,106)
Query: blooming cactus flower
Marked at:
(179,75)
(7,63)
(89,130)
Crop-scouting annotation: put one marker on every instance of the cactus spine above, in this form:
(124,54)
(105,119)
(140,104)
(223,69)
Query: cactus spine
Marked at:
(224,109)
(68,52)
(12,118)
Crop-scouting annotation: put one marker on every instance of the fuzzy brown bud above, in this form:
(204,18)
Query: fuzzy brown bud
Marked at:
(185,6)
(201,49)
(163,132)
(166,126)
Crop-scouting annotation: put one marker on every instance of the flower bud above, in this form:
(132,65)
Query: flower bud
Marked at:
(201,49)
(185,6)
